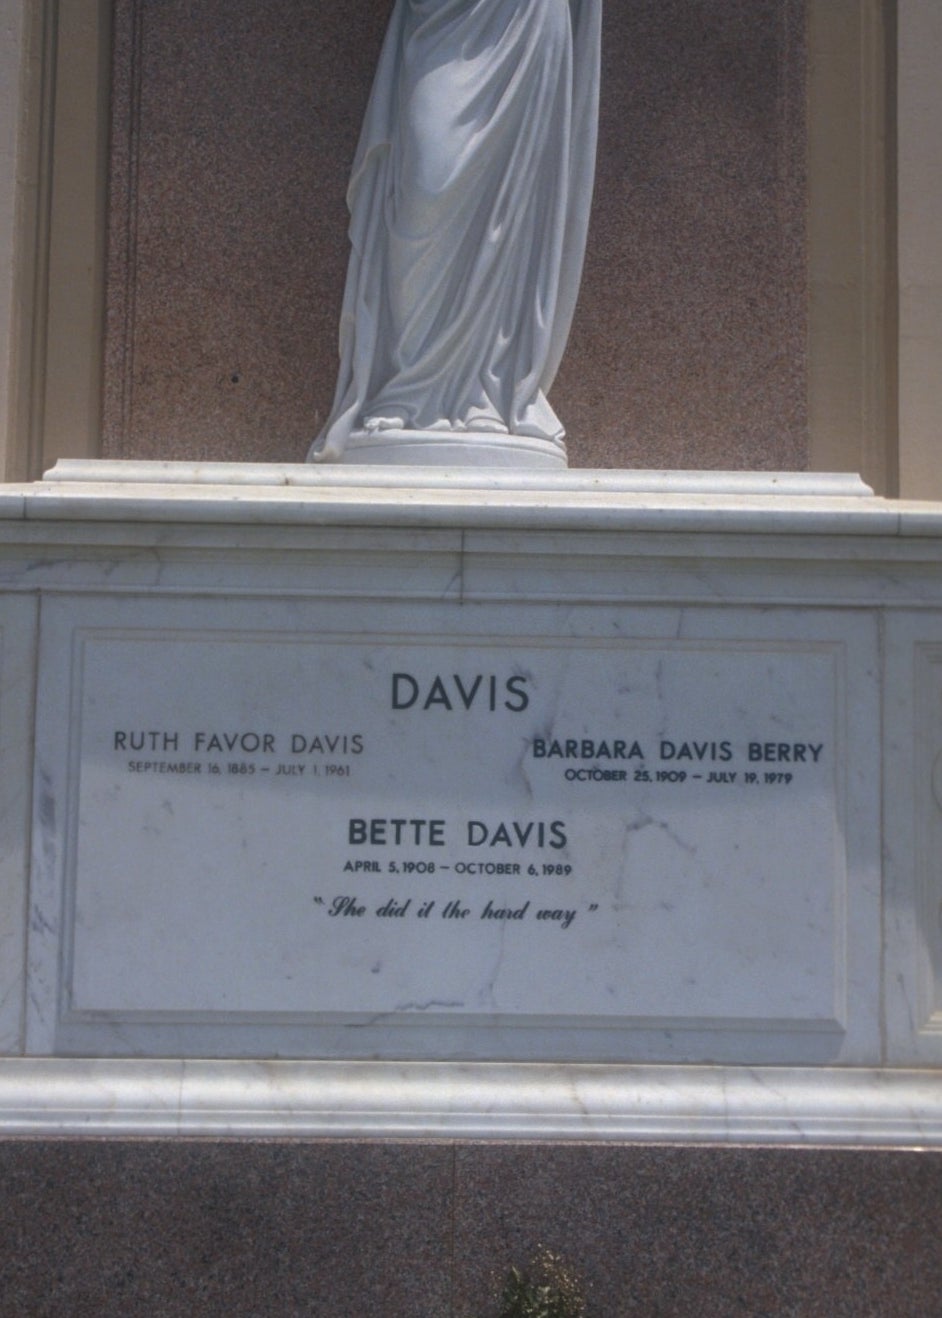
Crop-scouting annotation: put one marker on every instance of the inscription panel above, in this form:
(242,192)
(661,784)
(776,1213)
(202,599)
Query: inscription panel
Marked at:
(477,836)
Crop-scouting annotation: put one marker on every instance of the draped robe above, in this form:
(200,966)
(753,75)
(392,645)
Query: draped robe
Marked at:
(469,202)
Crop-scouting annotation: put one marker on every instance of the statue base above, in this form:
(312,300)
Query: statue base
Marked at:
(438,448)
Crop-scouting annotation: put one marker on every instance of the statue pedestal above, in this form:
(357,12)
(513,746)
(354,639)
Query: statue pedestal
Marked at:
(436,448)
(500,809)
(564,787)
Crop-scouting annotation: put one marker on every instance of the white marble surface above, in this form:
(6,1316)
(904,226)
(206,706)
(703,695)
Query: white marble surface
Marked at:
(788,504)
(395,447)
(857,578)
(621,833)
(605,481)
(370,1100)
(18,622)
(913,832)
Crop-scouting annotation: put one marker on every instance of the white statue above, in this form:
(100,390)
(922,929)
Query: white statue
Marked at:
(469,204)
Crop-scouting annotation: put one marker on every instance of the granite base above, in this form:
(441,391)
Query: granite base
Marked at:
(100,1228)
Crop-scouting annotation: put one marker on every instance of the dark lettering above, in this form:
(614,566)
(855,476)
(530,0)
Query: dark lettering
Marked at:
(346,906)
(399,681)
(521,699)
(437,695)
(467,696)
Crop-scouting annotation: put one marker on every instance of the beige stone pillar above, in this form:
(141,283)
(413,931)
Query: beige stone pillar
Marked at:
(54,65)
(15,102)
(919,129)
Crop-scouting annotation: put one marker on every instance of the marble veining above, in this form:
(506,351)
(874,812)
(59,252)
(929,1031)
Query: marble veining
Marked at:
(779,966)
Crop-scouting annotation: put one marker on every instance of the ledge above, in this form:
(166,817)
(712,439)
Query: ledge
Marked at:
(789,503)
(311,477)
(367,1100)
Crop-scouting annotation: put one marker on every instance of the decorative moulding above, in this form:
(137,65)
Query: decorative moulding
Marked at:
(368,1100)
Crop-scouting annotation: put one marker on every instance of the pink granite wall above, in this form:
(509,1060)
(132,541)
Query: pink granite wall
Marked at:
(161,1229)
(234,124)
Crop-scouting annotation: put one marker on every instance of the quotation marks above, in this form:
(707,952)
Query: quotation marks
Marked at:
(318,901)
(594,907)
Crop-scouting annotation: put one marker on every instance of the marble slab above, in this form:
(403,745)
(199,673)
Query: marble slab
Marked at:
(441,831)
(18,619)
(763,963)
(913,832)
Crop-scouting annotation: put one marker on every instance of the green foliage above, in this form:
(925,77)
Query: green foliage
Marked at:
(546,1290)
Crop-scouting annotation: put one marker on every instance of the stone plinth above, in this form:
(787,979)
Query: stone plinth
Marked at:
(586,1105)
(560,792)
